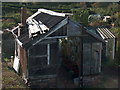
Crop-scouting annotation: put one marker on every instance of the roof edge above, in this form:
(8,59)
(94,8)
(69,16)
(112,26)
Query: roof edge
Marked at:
(52,12)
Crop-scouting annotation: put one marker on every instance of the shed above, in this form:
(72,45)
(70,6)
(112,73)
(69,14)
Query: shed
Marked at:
(109,47)
(50,40)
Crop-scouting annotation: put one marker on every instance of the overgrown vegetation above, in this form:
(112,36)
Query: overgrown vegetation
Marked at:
(81,11)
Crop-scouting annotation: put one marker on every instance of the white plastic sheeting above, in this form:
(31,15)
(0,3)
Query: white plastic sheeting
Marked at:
(48,12)
(35,27)
(51,12)
(16,64)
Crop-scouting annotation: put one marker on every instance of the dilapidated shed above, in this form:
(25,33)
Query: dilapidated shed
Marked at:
(50,40)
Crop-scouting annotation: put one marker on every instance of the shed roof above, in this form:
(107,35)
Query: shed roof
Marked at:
(49,20)
(43,20)
(105,33)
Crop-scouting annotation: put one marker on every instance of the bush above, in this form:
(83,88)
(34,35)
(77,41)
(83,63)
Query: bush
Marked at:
(81,15)
(6,59)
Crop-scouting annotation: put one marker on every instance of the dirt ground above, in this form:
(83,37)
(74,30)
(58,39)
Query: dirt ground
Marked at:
(108,78)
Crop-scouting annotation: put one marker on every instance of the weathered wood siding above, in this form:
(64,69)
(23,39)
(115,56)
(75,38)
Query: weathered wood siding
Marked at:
(23,61)
(43,58)
(87,58)
(91,58)
(110,48)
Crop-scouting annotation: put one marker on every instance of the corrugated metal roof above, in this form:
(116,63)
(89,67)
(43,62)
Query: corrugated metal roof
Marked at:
(24,38)
(48,20)
(43,20)
(53,22)
(105,33)
(27,41)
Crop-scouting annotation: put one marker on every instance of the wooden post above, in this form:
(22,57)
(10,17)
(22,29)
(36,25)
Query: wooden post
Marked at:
(118,50)
(48,54)
(113,49)
(81,61)
(100,56)
(23,16)
(20,50)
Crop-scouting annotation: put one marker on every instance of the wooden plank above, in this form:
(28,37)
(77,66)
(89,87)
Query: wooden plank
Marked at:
(12,29)
(48,54)
(81,62)
(48,41)
(18,31)
(100,57)
(55,37)
(28,58)
(87,59)
(24,64)
(21,52)
(113,51)
(43,76)
(96,57)
(60,37)
(20,43)
(38,56)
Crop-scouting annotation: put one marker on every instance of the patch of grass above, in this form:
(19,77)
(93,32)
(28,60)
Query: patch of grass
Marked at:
(10,78)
